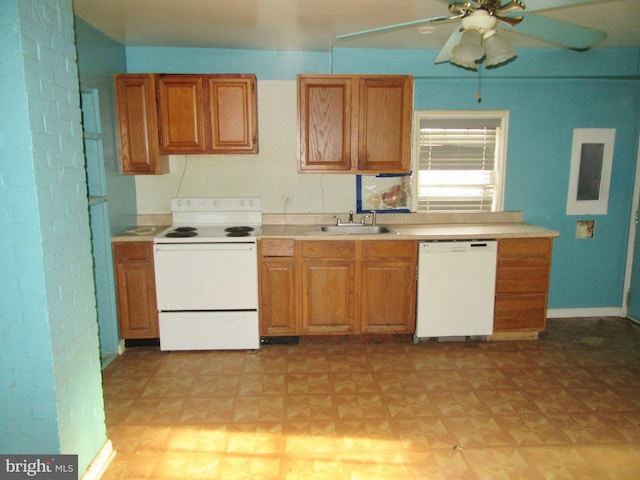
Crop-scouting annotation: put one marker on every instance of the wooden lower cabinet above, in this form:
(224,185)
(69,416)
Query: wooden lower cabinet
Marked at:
(337,287)
(522,284)
(328,277)
(323,287)
(135,289)
(277,284)
(388,293)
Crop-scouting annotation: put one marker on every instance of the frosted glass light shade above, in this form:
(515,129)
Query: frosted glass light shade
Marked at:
(469,48)
(469,64)
(497,49)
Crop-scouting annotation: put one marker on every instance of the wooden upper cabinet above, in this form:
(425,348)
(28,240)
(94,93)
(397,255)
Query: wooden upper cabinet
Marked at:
(160,115)
(324,124)
(354,123)
(208,114)
(384,124)
(233,112)
(181,114)
(138,125)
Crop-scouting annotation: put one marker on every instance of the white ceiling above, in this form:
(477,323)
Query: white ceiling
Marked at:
(313,24)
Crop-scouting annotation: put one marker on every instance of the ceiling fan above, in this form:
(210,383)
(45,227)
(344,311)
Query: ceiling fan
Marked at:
(477,38)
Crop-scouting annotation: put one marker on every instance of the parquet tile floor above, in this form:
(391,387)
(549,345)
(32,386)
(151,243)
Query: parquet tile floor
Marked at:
(566,406)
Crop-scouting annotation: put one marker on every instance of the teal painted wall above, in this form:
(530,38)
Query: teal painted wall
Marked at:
(28,417)
(51,385)
(99,57)
(547,92)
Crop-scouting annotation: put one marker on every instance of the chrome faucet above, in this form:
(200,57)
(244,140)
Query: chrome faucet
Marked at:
(373,218)
(362,220)
(339,220)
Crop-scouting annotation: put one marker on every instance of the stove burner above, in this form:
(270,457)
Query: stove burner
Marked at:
(177,233)
(242,229)
(185,229)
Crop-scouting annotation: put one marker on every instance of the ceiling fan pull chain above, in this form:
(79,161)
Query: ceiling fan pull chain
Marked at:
(479,94)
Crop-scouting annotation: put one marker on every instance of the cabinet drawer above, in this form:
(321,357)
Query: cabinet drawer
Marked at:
(388,249)
(534,278)
(132,252)
(524,247)
(520,312)
(323,249)
(277,247)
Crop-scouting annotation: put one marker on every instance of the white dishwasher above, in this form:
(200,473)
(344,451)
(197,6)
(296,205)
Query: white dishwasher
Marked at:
(456,285)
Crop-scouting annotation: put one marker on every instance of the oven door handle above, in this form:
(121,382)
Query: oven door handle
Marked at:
(202,247)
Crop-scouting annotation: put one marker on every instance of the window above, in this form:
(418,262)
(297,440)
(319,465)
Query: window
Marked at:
(460,161)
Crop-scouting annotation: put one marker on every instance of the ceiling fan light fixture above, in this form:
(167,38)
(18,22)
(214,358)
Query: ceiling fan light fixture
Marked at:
(479,20)
(469,48)
(497,49)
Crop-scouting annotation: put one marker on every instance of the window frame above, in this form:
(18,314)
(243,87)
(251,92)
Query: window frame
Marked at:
(502,116)
(590,136)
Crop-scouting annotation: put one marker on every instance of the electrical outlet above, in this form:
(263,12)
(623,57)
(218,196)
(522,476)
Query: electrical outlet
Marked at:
(288,200)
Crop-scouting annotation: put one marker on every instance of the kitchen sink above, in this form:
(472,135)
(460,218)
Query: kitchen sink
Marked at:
(356,228)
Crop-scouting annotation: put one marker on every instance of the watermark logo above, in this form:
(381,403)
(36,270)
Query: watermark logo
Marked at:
(50,467)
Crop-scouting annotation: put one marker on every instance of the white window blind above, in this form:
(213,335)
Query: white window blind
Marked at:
(458,163)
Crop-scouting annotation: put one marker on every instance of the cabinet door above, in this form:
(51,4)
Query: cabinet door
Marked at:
(327,301)
(384,127)
(277,297)
(181,113)
(138,125)
(324,124)
(388,286)
(136,293)
(328,284)
(277,280)
(233,114)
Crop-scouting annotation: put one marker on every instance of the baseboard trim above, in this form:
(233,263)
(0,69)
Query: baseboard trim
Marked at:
(99,465)
(584,312)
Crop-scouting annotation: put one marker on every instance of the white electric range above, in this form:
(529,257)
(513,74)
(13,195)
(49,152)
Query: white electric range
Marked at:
(207,274)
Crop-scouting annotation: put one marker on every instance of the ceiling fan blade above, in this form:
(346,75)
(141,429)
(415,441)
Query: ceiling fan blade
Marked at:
(398,26)
(534,6)
(559,32)
(447,50)
(511,7)
(513,21)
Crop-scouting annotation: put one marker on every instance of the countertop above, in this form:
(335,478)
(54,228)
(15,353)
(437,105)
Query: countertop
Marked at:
(139,234)
(406,227)
(480,231)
